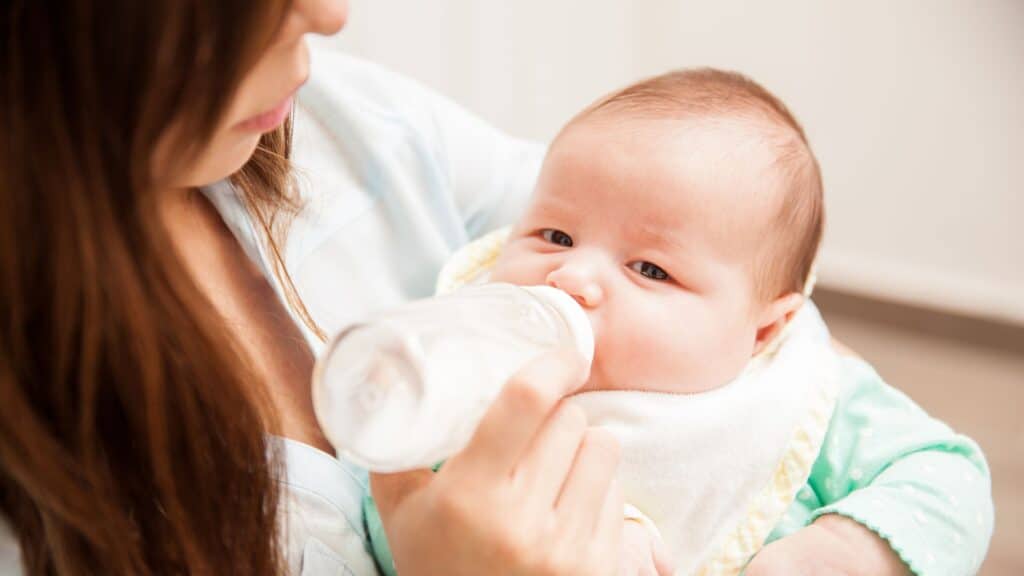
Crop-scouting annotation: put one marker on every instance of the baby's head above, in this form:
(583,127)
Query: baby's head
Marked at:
(684,214)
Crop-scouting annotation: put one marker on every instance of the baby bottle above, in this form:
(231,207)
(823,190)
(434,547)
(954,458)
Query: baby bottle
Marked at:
(407,388)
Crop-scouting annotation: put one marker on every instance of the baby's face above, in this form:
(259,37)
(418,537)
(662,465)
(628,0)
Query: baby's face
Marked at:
(654,231)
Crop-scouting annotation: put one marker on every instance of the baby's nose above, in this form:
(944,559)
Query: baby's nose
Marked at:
(578,283)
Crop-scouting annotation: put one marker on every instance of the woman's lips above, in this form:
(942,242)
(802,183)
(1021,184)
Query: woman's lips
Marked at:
(270,119)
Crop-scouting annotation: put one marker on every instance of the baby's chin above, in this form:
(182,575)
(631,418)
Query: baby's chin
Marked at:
(597,382)
(590,386)
(594,385)
(600,383)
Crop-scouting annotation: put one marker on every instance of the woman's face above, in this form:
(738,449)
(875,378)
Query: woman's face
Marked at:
(264,98)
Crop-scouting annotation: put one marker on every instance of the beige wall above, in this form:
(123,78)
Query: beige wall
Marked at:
(915,108)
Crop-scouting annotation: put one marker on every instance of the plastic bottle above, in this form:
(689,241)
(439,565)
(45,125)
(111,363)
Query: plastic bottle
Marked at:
(406,389)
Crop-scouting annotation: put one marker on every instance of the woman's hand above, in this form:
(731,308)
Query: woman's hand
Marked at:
(532,493)
(831,545)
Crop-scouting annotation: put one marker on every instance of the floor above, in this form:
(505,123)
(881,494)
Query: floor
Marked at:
(976,388)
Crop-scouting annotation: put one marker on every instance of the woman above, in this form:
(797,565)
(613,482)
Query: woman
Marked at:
(144,358)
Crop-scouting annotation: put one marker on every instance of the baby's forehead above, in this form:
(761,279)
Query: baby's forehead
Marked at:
(725,141)
(708,177)
(722,141)
(712,162)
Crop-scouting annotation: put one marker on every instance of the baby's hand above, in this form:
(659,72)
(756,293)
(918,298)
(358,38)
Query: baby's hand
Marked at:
(831,545)
(643,552)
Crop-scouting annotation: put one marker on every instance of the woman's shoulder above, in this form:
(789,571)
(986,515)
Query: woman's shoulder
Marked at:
(323,530)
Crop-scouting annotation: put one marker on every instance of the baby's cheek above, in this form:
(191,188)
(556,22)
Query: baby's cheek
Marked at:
(637,355)
(659,346)
(510,274)
(516,268)
(501,271)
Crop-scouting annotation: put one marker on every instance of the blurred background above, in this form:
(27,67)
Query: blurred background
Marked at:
(915,109)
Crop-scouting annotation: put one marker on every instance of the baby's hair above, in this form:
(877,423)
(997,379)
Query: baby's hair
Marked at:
(787,260)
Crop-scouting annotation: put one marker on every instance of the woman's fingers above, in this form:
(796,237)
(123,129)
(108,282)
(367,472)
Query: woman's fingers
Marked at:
(586,489)
(608,534)
(542,471)
(524,404)
(663,562)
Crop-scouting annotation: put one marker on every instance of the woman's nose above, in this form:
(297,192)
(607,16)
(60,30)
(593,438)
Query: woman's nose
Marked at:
(579,280)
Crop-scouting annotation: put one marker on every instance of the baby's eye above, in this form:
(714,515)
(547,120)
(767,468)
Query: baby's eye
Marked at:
(556,237)
(648,270)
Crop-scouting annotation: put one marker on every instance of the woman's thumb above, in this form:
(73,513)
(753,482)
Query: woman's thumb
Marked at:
(663,563)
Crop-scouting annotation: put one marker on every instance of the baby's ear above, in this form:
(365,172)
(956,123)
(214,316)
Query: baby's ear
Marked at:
(774,317)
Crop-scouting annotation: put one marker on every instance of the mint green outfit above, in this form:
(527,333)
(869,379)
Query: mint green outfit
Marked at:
(904,475)
(886,464)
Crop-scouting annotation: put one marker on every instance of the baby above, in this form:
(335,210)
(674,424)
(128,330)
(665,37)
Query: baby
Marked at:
(684,214)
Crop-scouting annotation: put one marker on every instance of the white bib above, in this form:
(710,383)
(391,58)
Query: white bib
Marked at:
(715,471)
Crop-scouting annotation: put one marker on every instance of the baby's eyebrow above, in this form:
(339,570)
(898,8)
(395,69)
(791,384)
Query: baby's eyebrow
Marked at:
(553,203)
(555,210)
(661,237)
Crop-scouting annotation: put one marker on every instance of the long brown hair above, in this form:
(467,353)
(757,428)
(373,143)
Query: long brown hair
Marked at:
(130,439)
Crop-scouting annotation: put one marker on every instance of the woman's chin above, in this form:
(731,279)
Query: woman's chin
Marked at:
(241,155)
(224,162)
